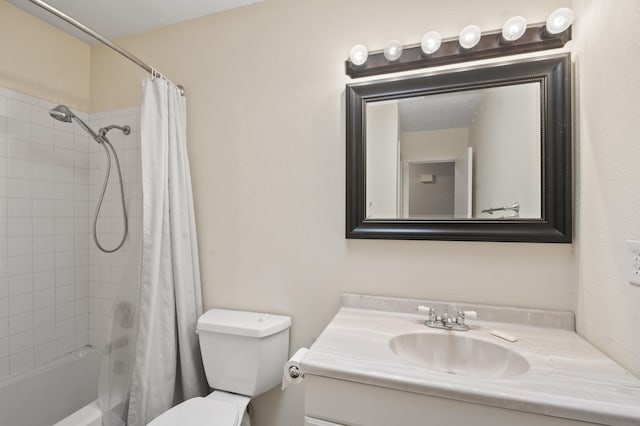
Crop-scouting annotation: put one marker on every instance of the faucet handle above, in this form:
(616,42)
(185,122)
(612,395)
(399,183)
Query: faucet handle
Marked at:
(470,314)
(431,312)
(424,309)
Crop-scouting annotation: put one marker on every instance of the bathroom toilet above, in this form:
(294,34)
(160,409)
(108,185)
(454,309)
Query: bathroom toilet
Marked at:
(243,354)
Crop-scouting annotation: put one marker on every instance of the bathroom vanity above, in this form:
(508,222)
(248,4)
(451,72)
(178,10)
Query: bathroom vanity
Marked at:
(378,364)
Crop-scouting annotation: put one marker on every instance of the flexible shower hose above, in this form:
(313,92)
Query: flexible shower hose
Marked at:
(105,141)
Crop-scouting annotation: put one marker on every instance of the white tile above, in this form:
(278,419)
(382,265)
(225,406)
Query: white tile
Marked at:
(45,353)
(64,208)
(4,327)
(21,323)
(19,207)
(82,321)
(20,246)
(12,94)
(4,267)
(81,192)
(4,307)
(44,334)
(64,157)
(20,227)
(19,168)
(64,242)
(65,294)
(20,284)
(43,208)
(63,174)
(43,190)
(43,244)
(20,265)
(4,347)
(43,226)
(42,135)
(5,370)
(40,116)
(65,311)
(4,287)
(42,317)
(81,258)
(82,337)
(19,109)
(42,171)
(81,209)
(63,191)
(18,129)
(44,280)
(44,299)
(18,149)
(42,153)
(82,306)
(19,188)
(64,226)
(63,139)
(44,262)
(20,303)
(65,344)
(21,342)
(65,260)
(22,361)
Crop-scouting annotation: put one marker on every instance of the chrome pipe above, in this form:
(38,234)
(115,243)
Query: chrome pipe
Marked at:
(130,56)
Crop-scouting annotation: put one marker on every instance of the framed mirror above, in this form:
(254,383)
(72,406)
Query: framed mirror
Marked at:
(476,154)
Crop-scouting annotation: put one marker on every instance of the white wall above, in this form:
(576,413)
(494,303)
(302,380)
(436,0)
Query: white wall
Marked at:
(382,159)
(265,89)
(607,59)
(434,145)
(506,151)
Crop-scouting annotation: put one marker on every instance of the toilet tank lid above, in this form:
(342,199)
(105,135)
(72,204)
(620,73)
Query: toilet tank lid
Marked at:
(241,323)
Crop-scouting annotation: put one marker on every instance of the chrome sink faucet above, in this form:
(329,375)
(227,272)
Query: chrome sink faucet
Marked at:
(444,321)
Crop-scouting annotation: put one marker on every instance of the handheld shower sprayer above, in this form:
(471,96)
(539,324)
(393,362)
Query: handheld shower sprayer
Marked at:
(64,114)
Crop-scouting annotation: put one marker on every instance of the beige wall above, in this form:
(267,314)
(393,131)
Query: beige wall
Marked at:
(608,174)
(41,60)
(265,87)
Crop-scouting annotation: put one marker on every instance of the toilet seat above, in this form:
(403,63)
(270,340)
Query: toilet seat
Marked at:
(200,412)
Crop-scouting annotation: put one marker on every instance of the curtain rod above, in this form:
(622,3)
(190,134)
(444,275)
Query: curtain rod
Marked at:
(102,39)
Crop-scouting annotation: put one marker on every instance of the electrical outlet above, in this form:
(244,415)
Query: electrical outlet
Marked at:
(633,261)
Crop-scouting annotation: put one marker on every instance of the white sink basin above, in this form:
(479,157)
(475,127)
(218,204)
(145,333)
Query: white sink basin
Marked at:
(458,354)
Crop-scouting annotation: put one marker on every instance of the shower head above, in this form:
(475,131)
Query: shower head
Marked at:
(64,114)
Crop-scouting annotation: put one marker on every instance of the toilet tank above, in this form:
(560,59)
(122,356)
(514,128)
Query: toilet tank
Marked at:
(243,352)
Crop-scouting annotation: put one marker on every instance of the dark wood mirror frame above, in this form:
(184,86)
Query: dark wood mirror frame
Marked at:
(554,75)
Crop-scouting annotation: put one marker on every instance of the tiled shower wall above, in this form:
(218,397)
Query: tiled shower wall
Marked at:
(55,289)
(114,277)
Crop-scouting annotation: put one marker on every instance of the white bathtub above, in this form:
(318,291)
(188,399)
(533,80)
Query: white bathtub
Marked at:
(47,394)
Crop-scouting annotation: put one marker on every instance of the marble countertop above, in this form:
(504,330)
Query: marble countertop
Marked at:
(568,377)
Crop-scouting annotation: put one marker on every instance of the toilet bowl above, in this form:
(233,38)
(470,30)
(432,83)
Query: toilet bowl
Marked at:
(243,354)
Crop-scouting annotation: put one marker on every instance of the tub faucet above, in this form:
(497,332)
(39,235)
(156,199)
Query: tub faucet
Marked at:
(445,321)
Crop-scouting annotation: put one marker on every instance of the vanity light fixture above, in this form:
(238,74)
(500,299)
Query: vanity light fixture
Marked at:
(431,42)
(559,21)
(470,36)
(472,44)
(358,54)
(393,50)
(514,28)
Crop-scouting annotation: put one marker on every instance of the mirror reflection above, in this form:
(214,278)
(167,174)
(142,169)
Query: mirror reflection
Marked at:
(472,154)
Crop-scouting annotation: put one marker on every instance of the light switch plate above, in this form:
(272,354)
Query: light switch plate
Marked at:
(633,253)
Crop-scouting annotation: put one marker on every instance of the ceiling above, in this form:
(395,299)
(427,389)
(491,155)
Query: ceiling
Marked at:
(120,18)
(443,111)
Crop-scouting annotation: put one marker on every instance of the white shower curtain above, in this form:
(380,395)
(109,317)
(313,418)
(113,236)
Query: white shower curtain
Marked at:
(168,367)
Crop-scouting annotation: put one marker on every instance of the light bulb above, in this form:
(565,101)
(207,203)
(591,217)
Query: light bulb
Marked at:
(514,28)
(431,42)
(559,20)
(393,50)
(470,36)
(358,54)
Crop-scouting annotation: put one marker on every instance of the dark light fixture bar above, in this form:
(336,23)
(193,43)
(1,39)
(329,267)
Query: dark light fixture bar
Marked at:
(491,45)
